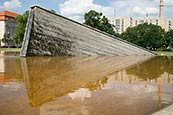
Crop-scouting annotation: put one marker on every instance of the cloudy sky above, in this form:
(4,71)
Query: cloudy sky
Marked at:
(75,9)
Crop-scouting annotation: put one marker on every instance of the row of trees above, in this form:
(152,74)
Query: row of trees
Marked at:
(149,36)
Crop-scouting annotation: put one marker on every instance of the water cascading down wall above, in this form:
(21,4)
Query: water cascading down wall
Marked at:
(49,34)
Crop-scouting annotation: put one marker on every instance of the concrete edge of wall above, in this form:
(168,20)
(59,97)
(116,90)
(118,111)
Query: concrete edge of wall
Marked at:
(27,34)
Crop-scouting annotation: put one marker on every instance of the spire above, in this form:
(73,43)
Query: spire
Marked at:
(161,9)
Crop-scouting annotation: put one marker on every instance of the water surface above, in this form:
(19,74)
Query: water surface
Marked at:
(122,85)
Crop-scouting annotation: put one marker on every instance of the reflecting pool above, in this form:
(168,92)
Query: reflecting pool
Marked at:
(121,85)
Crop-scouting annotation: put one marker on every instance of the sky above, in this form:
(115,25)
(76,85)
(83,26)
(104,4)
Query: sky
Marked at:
(75,9)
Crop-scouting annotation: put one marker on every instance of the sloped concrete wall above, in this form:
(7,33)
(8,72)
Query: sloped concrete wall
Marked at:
(51,34)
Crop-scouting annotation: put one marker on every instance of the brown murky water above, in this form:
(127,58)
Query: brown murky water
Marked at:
(128,85)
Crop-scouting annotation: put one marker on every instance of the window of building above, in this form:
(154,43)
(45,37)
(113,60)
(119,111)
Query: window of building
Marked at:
(141,21)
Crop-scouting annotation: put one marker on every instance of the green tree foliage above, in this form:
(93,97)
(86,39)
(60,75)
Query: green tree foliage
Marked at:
(53,11)
(4,39)
(21,25)
(97,20)
(168,40)
(145,35)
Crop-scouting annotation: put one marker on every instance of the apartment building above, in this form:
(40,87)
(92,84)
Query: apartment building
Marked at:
(8,27)
(121,24)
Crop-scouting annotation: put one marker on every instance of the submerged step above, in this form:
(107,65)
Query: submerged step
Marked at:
(50,34)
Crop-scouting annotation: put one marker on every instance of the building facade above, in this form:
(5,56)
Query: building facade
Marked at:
(121,24)
(8,27)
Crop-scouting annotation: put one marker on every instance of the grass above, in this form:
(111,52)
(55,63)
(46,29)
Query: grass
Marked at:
(165,53)
(10,49)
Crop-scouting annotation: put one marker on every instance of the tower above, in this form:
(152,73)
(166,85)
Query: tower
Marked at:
(161,9)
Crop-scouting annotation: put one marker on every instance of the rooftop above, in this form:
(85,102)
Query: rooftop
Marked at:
(6,14)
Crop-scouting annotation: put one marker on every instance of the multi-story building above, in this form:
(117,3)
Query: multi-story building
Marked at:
(121,24)
(8,27)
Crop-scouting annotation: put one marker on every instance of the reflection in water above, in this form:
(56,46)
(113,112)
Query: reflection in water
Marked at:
(2,67)
(86,86)
(62,75)
(13,96)
(10,70)
(81,94)
(153,68)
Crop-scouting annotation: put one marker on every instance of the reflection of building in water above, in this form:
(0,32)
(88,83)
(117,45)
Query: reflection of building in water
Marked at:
(80,94)
(124,77)
(2,68)
(139,85)
(10,69)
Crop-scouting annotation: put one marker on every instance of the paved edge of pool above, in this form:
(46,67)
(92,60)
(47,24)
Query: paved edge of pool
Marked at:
(166,111)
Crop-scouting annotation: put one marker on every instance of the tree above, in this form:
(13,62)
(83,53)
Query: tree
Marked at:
(97,20)
(168,40)
(21,25)
(145,35)
(53,11)
(4,39)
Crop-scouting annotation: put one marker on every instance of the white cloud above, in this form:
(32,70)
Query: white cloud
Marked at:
(75,9)
(168,2)
(168,8)
(143,11)
(11,5)
(135,8)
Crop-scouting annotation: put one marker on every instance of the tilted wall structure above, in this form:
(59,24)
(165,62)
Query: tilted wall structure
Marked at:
(50,34)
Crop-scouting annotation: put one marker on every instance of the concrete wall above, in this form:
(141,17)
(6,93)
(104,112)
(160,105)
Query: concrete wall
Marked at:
(2,31)
(51,34)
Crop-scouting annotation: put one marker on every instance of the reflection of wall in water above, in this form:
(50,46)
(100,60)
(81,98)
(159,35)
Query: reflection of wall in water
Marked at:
(50,77)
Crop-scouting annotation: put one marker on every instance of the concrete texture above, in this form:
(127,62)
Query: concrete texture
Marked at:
(50,34)
(166,111)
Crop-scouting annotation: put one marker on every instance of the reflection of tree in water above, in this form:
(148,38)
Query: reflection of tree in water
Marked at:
(168,65)
(153,68)
(97,85)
